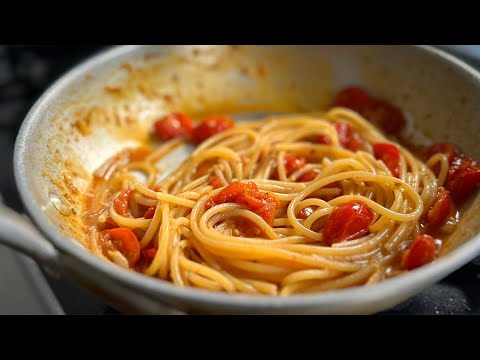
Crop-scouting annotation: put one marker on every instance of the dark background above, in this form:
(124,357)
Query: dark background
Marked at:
(26,71)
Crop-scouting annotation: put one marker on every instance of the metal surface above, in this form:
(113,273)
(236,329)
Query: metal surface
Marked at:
(144,294)
(23,287)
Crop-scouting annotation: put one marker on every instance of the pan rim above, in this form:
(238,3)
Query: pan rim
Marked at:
(157,288)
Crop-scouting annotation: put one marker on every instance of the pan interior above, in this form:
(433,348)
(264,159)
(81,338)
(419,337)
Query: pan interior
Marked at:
(110,103)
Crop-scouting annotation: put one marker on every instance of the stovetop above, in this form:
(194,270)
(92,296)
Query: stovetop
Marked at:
(26,71)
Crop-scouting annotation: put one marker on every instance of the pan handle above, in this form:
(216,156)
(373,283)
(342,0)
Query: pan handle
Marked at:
(17,232)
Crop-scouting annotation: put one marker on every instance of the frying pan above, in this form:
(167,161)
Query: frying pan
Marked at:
(109,102)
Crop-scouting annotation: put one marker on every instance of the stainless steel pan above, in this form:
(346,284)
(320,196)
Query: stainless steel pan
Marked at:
(109,102)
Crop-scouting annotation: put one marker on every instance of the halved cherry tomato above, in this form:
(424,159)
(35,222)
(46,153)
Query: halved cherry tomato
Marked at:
(268,210)
(150,212)
(347,222)
(263,204)
(390,155)
(126,242)
(237,192)
(210,126)
(120,204)
(349,139)
(353,97)
(322,139)
(293,164)
(172,126)
(309,176)
(305,212)
(443,148)
(149,254)
(441,209)
(463,178)
(379,111)
(215,182)
(385,115)
(421,252)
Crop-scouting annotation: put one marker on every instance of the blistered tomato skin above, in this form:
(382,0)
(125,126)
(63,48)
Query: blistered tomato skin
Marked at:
(421,252)
(349,138)
(293,164)
(210,126)
(263,204)
(348,221)
(174,125)
(463,178)
(390,155)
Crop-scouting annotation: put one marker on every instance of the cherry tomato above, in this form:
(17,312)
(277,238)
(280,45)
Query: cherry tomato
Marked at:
(269,208)
(347,222)
(172,126)
(149,254)
(441,209)
(352,97)
(309,176)
(421,252)
(443,148)
(384,115)
(149,213)
(263,204)
(293,164)
(305,212)
(120,204)
(126,242)
(390,155)
(349,139)
(210,126)
(215,182)
(463,178)
(322,139)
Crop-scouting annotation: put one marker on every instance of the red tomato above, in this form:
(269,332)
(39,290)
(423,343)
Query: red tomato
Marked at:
(421,252)
(441,209)
(305,212)
(120,204)
(385,115)
(215,182)
(463,178)
(349,139)
(210,126)
(126,242)
(149,254)
(347,222)
(149,213)
(390,155)
(263,204)
(173,126)
(322,139)
(352,97)
(268,210)
(444,148)
(309,176)
(293,164)
(110,223)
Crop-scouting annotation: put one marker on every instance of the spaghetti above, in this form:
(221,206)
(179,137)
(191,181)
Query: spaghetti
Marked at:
(285,205)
